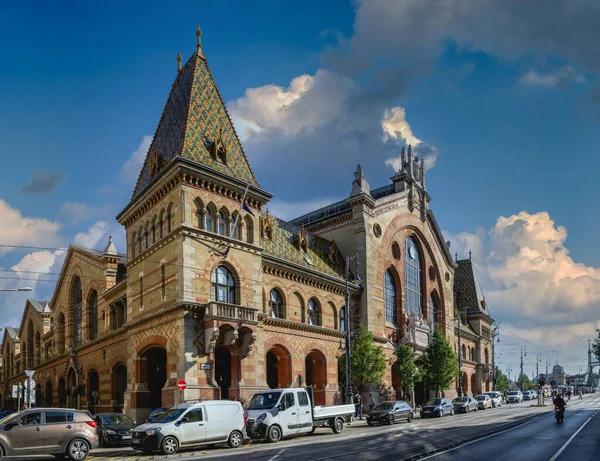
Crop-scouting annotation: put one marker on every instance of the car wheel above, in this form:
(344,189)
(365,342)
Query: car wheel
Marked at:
(369,423)
(338,426)
(391,420)
(77,450)
(169,446)
(441,415)
(235,439)
(274,434)
(409,418)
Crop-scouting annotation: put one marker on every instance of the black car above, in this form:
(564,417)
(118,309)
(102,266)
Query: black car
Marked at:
(114,429)
(437,407)
(155,414)
(390,412)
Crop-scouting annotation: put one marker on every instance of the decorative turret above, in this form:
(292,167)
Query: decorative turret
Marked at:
(111,263)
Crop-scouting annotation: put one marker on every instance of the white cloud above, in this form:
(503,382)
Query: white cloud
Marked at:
(131,168)
(533,285)
(560,78)
(94,234)
(17,229)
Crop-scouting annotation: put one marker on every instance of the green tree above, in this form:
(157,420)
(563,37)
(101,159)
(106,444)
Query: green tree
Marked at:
(502,382)
(523,383)
(405,369)
(439,364)
(367,361)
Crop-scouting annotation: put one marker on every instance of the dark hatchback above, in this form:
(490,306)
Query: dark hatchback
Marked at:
(155,414)
(114,429)
(437,407)
(390,412)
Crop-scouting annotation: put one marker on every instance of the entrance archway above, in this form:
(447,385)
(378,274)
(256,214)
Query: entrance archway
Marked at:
(474,384)
(49,394)
(465,384)
(315,368)
(119,386)
(93,397)
(223,370)
(156,373)
(62,398)
(278,367)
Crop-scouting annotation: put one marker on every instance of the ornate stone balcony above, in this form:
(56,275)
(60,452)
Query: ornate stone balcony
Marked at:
(230,312)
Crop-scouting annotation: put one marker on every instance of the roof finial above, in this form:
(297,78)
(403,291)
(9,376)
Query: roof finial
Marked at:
(456,256)
(469,254)
(199,35)
(179,62)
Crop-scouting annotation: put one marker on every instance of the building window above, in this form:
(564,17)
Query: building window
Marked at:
(236,228)
(249,229)
(389,299)
(146,239)
(118,314)
(343,319)
(412,277)
(160,224)
(209,220)
(93,315)
(223,285)
(464,352)
(153,230)
(163,285)
(221,223)
(133,240)
(169,217)
(276,304)
(314,314)
(139,242)
(76,302)
(141,292)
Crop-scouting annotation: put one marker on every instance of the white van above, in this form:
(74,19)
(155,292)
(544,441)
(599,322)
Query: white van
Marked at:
(207,422)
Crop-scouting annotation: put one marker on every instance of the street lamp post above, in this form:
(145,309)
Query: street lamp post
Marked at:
(460,383)
(522,376)
(494,334)
(16,289)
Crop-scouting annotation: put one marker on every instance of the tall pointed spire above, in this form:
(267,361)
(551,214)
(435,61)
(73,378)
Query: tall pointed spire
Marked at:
(179,59)
(199,43)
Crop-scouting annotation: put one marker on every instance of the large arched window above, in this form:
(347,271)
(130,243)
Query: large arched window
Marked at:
(464,352)
(223,285)
(314,312)
(92,309)
(432,311)
(169,218)
(209,220)
(412,277)
(222,223)
(343,319)
(248,224)
(389,298)
(76,306)
(276,304)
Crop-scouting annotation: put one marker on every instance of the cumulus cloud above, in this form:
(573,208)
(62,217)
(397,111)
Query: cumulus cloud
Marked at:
(92,237)
(43,182)
(17,229)
(131,168)
(532,283)
(560,78)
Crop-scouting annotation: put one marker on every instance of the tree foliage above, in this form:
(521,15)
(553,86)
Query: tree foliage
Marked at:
(502,382)
(367,361)
(439,364)
(523,383)
(405,368)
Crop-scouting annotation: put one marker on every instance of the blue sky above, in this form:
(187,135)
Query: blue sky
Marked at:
(505,105)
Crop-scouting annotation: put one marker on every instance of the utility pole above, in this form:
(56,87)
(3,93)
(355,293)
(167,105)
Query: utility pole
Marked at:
(494,334)
(522,376)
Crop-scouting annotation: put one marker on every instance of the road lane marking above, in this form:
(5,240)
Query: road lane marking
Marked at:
(277,455)
(557,454)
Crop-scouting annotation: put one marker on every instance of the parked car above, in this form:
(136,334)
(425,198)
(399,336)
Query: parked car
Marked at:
(390,413)
(496,398)
(464,404)
(155,414)
(437,407)
(528,395)
(484,401)
(193,424)
(48,431)
(114,429)
(514,397)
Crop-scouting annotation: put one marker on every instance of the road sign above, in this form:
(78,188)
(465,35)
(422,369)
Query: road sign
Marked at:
(29,373)
(16,391)
(181,385)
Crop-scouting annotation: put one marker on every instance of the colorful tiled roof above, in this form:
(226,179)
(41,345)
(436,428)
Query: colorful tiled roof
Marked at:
(283,246)
(190,123)
(468,290)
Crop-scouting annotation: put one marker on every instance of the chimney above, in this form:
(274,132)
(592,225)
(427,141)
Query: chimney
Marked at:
(111,263)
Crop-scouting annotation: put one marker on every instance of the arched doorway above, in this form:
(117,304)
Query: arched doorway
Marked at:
(315,368)
(465,384)
(278,367)
(93,396)
(72,389)
(49,393)
(156,374)
(223,370)
(474,384)
(38,395)
(119,386)
(62,398)
(487,385)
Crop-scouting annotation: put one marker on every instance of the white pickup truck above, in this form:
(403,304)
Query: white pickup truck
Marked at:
(277,413)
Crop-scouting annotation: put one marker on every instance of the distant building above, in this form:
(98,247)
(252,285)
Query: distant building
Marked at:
(558,376)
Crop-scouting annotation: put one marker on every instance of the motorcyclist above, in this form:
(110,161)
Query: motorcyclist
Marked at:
(560,403)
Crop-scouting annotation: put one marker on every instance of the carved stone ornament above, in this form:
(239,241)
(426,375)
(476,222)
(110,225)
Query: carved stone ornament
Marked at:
(230,337)
(219,149)
(248,340)
(266,226)
(302,240)
(210,340)
(377,230)
(156,163)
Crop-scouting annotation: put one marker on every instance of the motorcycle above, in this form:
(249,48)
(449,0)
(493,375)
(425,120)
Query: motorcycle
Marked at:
(559,414)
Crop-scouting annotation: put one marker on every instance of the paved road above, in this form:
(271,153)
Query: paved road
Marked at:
(542,439)
(405,441)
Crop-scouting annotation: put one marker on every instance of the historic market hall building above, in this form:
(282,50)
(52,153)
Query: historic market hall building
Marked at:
(231,298)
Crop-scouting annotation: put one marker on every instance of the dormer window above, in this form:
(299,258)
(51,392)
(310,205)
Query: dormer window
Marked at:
(219,149)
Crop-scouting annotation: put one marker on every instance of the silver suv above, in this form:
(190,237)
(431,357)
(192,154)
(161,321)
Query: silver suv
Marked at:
(52,431)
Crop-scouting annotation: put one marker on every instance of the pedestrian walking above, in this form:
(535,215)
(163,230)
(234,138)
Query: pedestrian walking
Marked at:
(580,395)
(371,402)
(357,406)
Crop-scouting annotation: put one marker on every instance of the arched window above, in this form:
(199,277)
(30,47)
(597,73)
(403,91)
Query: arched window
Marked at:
(60,327)
(160,223)
(209,220)
(473,354)
(314,312)
(222,227)
(389,298)
(139,242)
(153,229)
(343,319)
(146,236)
(76,306)
(198,212)
(92,308)
(276,304)
(223,285)
(412,277)
(236,227)
(133,242)
(169,218)
(464,352)
(249,229)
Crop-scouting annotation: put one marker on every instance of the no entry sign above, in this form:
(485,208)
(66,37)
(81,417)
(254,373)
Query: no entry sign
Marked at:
(181,385)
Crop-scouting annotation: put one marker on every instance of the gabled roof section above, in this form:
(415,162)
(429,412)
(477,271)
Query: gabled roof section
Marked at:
(12,332)
(193,121)
(283,245)
(467,287)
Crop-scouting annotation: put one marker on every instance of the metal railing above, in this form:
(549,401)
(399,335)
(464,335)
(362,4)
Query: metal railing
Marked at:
(226,311)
